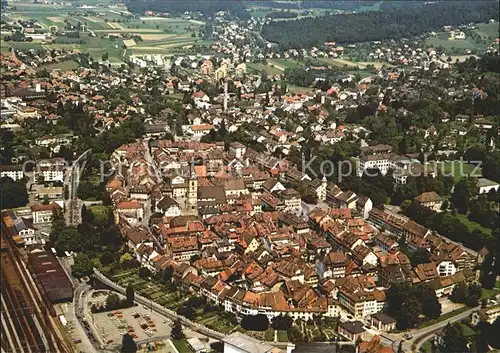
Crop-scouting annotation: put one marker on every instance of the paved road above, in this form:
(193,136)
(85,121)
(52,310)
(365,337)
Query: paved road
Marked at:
(428,332)
(422,335)
(84,318)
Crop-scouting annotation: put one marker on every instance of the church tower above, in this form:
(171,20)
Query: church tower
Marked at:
(192,201)
(323,187)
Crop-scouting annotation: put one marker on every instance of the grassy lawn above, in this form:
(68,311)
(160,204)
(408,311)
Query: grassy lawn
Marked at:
(488,30)
(269,69)
(284,63)
(472,225)
(458,170)
(467,331)
(441,39)
(282,336)
(63,65)
(99,210)
(350,63)
(426,347)
(181,346)
(299,89)
(489,293)
(269,335)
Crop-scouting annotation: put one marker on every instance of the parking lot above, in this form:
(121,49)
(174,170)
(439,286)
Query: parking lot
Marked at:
(139,322)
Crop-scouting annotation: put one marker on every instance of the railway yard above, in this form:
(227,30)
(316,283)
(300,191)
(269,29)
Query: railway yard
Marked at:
(29,322)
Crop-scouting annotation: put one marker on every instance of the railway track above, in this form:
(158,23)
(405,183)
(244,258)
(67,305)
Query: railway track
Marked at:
(29,321)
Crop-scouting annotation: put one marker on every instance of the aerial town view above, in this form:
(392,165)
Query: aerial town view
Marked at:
(254,176)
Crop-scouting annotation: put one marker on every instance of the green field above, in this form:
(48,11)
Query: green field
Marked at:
(63,65)
(299,89)
(269,335)
(181,346)
(458,170)
(488,30)
(282,336)
(159,35)
(259,67)
(284,63)
(441,40)
(345,62)
(471,225)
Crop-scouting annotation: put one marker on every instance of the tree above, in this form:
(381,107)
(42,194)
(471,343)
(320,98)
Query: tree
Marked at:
(144,272)
(494,337)
(130,293)
(187,311)
(420,256)
(128,344)
(282,322)
(82,266)
(453,340)
(217,346)
(14,194)
(404,305)
(167,273)
(107,258)
(410,311)
(67,239)
(460,293)
(112,301)
(126,259)
(464,191)
(258,322)
(177,333)
(482,339)
(431,307)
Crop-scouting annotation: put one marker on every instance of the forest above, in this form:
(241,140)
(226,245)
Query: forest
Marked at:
(393,23)
(174,7)
(239,8)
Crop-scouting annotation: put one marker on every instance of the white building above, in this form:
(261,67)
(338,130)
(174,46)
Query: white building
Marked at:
(446,268)
(44,213)
(240,343)
(485,185)
(15,172)
(237,149)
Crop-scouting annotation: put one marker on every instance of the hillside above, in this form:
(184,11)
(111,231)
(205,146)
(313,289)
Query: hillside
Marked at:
(395,23)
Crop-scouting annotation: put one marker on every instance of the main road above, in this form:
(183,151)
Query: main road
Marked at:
(419,336)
